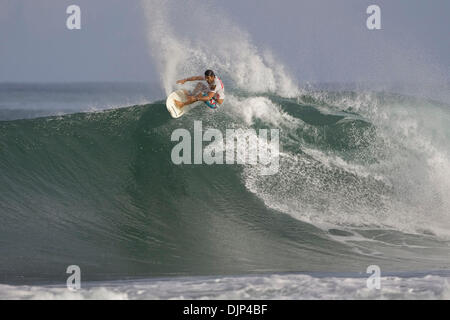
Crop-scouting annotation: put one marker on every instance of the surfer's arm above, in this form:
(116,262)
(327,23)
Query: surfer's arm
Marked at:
(195,78)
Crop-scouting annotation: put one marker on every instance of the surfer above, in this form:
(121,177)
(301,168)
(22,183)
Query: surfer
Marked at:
(212,93)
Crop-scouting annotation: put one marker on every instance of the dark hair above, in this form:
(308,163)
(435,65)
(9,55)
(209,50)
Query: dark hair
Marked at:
(209,73)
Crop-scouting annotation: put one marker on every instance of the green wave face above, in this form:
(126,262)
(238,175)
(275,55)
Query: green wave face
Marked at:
(99,190)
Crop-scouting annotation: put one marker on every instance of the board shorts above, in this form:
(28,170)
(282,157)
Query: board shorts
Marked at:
(212,103)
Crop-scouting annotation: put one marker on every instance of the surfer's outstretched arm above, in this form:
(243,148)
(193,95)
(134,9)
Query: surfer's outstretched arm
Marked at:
(195,78)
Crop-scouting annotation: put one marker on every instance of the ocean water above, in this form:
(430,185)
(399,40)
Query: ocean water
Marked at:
(360,183)
(32,100)
(86,179)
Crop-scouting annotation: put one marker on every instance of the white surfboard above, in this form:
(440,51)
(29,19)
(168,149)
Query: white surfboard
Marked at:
(174,111)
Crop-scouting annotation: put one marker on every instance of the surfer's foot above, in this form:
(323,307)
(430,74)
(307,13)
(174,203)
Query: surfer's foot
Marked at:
(179,104)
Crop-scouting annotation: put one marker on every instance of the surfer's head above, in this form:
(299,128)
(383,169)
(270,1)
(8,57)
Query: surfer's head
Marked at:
(209,76)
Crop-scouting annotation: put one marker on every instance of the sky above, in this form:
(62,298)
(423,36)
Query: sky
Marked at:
(316,40)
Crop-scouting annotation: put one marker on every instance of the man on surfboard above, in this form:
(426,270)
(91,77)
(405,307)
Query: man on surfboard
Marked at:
(212,93)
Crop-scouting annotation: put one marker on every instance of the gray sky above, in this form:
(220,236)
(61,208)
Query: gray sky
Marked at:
(317,40)
(36,45)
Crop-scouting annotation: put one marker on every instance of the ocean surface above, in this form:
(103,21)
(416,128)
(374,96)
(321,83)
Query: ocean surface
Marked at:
(86,179)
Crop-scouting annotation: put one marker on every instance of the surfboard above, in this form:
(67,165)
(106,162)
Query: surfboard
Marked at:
(174,111)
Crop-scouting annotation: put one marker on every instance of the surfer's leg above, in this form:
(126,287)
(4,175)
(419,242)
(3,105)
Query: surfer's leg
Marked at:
(190,100)
(179,104)
(189,96)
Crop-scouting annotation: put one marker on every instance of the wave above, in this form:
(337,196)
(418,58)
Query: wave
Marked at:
(99,190)
(373,145)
